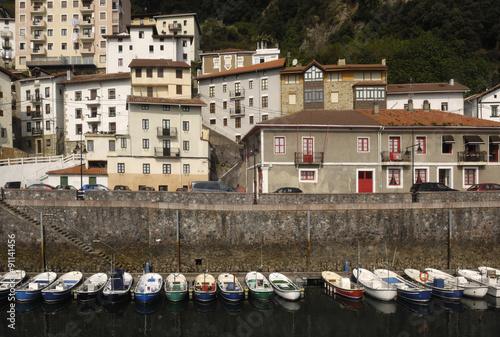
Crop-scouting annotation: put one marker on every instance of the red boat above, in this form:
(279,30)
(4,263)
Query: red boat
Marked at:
(343,286)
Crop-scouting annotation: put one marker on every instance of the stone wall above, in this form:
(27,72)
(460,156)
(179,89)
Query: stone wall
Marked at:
(225,232)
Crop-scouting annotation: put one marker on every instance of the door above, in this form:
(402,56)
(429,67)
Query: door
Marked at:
(165,124)
(166,148)
(64,181)
(444,177)
(92,180)
(365,182)
(493,153)
(307,150)
(38,146)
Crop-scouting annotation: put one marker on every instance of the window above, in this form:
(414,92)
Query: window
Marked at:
(394,144)
(313,74)
(185,126)
(469,176)
(28,110)
(334,97)
(211,91)
(335,77)
(22,5)
(22,46)
(250,101)
(149,72)
(123,142)
(184,43)
(90,145)
(178,89)
(145,143)
(75,4)
(178,73)
(151,49)
(264,118)
(213,121)
(141,35)
(250,120)
(237,122)
(121,168)
(47,109)
(186,169)
(144,106)
(78,95)
(265,84)
(224,121)
(50,32)
(47,125)
(64,18)
(28,127)
(212,108)
(313,95)
(494,111)
(50,18)
(370,93)
(102,16)
(250,84)
(185,108)
(224,105)
(363,144)
(292,99)
(422,144)
(444,106)
(185,145)
(112,145)
(160,72)
(265,101)
(420,175)
(166,108)
(64,46)
(447,144)
(308,175)
(224,88)
(146,169)
(279,145)
(138,72)
(28,95)
(112,127)
(216,64)
(394,176)
(47,92)
(145,124)
(78,113)
(47,142)
(111,93)
(149,91)
(167,169)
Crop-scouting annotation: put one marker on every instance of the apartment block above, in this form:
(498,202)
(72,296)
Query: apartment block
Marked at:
(7,38)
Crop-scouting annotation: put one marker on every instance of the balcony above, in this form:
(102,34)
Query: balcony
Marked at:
(6,33)
(236,94)
(6,45)
(465,158)
(87,22)
(36,132)
(174,26)
(395,158)
(35,99)
(167,152)
(87,36)
(39,9)
(36,115)
(87,50)
(314,159)
(86,7)
(40,37)
(166,133)
(39,23)
(92,100)
(39,51)
(237,111)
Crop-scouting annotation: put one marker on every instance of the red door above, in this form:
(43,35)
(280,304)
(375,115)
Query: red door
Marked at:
(307,150)
(365,181)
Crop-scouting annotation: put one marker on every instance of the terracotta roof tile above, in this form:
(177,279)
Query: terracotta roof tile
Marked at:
(425,87)
(159,100)
(334,67)
(324,117)
(158,63)
(80,169)
(97,78)
(483,93)
(228,51)
(254,67)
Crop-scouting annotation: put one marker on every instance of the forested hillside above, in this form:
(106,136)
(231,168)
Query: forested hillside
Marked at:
(423,40)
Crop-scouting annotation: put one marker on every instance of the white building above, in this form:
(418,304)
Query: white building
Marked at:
(7,37)
(239,98)
(484,105)
(6,136)
(441,96)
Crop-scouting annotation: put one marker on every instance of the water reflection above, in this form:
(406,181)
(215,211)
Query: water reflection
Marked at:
(384,307)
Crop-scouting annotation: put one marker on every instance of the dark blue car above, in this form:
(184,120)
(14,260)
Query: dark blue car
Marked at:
(91,187)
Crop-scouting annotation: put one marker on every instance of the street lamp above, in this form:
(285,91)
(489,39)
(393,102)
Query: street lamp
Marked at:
(254,152)
(407,152)
(83,151)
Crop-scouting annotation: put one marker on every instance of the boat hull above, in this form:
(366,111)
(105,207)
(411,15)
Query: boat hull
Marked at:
(381,294)
(204,296)
(147,297)
(86,296)
(451,295)
(175,296)
(232,296)
(415,295)
(28,295)
(56,296)
(476,292)
(292,295)
(261,295)
(116,297)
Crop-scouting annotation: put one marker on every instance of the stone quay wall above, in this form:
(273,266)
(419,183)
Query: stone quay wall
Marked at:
(222,232)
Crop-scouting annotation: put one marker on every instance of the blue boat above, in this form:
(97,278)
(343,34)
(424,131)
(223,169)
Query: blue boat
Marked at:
(32,290)
(148,288)
(439,287)
(230,288)
(118,287)
(10,280)
(61,289)
(204,287)
(407,290)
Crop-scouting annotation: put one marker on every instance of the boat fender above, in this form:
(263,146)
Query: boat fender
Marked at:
(424,276)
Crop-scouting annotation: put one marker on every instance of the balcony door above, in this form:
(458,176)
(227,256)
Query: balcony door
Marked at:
(166,148)
(307,149)
(165,124)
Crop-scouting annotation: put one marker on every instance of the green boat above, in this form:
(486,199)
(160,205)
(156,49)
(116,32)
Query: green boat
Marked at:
(176,287)
(259,286)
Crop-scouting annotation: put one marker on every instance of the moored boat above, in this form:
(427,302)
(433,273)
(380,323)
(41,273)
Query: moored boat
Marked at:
(482,277)
(471,288)
(148,288)
(230,287)
(342,285)
(91,287)
(118,287)
(438,286)
(176,287)
(204,287)
(374,285)
(259,286)
(61,289)
(284,287)
(32,290)
(407,290)
(11,280)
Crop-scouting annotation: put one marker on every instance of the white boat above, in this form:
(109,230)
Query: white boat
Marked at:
(204,287)
(374,285)
(10,280)
(471,288)
(438,286)
(176,287)
(61,289)
(148,288)
(32,290)
(91,287)
(259,286)
(407,290)
(491,280)
(230,288)
(284,287)
(342,285)
(118,287)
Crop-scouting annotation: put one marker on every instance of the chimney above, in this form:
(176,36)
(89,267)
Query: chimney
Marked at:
(427,106)
(452,81)
(341,62)
(410,105)
(383,61)
(376,109)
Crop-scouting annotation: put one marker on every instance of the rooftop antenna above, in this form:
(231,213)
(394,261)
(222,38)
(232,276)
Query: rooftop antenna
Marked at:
(294,62)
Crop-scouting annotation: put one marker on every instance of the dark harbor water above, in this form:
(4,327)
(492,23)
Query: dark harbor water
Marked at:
(318,314)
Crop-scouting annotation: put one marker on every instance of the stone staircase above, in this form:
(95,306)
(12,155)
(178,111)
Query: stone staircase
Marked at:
(62,233)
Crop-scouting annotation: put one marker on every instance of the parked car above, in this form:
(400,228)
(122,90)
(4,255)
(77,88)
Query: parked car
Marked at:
(146,188)
(121,188)
(430,187)
(209,186)
(288,190)
(65,187)
(14,185)
(41,187)
(485,187)
(91,187)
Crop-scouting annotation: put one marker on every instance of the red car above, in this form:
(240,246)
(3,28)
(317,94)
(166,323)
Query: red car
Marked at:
(488,187)
(40,187)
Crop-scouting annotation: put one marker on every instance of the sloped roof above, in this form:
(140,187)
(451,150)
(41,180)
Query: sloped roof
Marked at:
(165,63)
(97,78)
(160,100)
(323,118)
(334,67)
(425,87)
(496,87)
(9,73)
(254,67)
(80,169)
(228,51)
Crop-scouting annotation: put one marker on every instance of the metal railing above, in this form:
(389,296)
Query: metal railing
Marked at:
(472,156)
(395,157)
(170,152)
(164,132)
(314,158)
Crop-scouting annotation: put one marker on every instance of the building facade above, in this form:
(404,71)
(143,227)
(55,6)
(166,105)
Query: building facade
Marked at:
(484,105)
(356,151)
(6,95)
(238,99)
(447,96)
(67,33)
(7,38)
(333,87)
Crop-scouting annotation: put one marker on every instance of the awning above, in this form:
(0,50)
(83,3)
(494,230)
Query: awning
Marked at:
(495,139)
(448,139)
(474,139)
